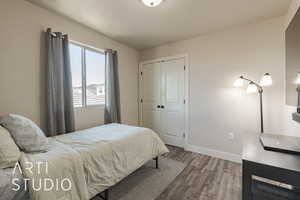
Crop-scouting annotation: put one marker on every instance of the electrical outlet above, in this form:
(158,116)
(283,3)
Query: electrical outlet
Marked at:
(231,136)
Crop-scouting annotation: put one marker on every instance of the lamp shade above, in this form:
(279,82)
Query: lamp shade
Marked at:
(266,80)
(298,79)
(152,3)
(252,88)
(239,82)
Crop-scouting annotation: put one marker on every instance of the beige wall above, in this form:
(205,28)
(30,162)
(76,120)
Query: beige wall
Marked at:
(22,68)
(295,4)
(216,60)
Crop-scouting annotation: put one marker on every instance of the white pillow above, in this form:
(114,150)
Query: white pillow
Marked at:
(27,135)
(9,152)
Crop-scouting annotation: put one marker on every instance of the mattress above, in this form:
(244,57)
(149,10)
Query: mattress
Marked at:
(94,159)
(112,152)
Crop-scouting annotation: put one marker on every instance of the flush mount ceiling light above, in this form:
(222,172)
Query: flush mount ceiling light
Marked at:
(152,3)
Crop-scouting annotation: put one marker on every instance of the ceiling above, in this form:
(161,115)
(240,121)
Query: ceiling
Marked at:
(132,23)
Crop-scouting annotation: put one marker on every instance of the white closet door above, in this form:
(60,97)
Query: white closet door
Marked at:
(172,95)
(151,87)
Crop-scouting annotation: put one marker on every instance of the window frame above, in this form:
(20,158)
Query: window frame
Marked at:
(83,73)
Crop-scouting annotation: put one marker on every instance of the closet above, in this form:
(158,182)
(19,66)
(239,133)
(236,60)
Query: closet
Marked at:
(162,98)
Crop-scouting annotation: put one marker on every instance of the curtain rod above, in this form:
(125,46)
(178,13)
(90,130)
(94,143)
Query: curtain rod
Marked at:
(55,35)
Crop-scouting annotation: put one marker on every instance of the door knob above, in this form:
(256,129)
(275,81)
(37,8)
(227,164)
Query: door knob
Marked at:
(162,107)
(158,106)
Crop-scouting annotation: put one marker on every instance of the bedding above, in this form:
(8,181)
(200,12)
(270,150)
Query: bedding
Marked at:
(112,152)
(9,152)
(59,163)
(93,159)
(6,186)
(27,135)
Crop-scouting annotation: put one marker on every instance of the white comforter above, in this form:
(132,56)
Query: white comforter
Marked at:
(94,159)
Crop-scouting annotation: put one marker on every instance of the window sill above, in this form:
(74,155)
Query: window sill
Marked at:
(102,106)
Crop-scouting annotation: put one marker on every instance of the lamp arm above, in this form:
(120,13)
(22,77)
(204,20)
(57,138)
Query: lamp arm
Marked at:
(260,89)
(298,91)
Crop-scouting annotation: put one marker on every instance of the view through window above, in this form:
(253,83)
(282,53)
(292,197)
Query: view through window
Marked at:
(88,76)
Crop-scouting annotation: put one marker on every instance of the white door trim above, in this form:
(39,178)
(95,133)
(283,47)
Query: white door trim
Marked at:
(186,92)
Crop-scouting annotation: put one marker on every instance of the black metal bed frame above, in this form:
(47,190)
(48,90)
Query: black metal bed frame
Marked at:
(105,194)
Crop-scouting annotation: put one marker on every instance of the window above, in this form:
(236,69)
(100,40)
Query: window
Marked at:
(88,76)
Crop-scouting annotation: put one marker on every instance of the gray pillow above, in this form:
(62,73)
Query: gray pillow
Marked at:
(9,152)
(27,135)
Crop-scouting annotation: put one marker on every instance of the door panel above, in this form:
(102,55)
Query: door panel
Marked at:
(172,95)
(151,119)
(170,121)
(163,84)
(151,86)
(172,85)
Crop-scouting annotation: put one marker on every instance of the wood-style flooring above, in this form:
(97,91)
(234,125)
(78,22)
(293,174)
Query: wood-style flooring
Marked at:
(204,178)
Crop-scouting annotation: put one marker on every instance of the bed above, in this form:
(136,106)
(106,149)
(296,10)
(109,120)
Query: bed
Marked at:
(6,186)
(92,160)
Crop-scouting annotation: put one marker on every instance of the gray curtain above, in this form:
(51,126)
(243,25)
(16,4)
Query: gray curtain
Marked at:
(112,89)
(60,111)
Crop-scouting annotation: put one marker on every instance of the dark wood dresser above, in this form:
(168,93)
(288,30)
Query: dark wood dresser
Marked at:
(282,168)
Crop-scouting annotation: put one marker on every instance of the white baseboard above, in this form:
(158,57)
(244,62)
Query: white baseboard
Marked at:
(214,153)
